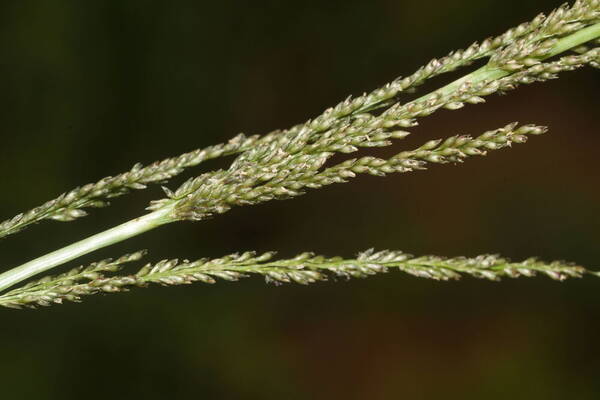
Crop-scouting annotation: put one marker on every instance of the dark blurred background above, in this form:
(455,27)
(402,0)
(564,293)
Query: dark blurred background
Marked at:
(90,87)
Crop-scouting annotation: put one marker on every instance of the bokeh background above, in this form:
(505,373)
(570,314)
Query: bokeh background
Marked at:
(87,88)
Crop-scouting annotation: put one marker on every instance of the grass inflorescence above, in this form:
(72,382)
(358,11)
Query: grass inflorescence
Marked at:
(285,164)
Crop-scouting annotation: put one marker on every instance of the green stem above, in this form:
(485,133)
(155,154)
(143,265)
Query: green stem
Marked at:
(160,217)
(585,35)
(111,236)
(490,73)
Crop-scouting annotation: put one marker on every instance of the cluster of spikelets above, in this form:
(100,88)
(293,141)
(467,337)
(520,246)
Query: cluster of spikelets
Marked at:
(304,269)
(284,164)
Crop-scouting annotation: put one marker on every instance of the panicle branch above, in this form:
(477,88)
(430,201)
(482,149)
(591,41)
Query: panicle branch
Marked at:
(68,206)
(305,268)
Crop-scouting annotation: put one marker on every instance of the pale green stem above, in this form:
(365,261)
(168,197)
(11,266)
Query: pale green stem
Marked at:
(490,72)
(160,217)
(85,246)
(585,35)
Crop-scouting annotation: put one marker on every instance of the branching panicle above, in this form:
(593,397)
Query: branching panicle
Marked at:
(520,47)
(284,164)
